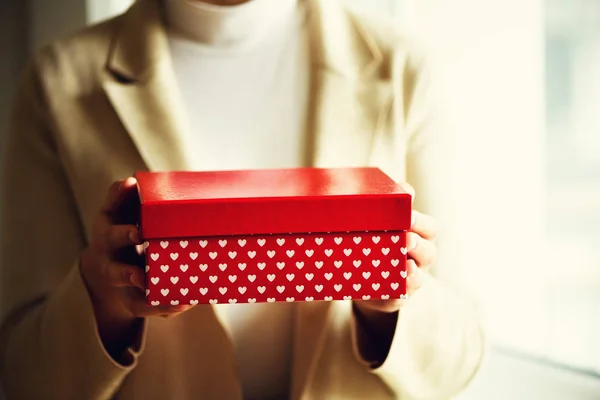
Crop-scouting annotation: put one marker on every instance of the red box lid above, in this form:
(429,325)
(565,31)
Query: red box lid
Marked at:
(190,204)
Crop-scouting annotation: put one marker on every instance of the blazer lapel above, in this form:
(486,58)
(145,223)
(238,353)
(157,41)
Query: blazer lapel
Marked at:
(141,85)
(351,97)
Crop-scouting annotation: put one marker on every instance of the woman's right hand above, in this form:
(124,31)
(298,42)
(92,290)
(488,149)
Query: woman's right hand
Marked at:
(112,269)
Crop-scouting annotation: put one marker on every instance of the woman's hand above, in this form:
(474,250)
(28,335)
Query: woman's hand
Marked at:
(422,254)
(112,269)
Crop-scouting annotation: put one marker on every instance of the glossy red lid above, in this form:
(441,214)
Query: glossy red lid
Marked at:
(183,204)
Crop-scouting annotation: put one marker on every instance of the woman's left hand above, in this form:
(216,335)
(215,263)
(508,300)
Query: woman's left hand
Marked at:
(421,256)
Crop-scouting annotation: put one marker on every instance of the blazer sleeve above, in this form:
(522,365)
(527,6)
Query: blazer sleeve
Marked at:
(439,342)
(49,344)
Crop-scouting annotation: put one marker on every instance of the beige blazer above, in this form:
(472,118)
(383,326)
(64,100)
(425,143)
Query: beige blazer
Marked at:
(103,103)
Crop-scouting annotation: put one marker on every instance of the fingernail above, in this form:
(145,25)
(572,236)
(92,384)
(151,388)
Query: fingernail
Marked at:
(134,236)
(413,239)
(413,219)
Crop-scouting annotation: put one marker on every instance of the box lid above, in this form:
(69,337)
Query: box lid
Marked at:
(187,204)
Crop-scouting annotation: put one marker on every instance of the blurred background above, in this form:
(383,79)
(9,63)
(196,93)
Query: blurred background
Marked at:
(521,90)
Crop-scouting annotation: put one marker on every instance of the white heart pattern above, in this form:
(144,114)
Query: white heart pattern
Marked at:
(403,274)
(174,280)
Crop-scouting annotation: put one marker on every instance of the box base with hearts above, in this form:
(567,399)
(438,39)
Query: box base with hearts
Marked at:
(276,268)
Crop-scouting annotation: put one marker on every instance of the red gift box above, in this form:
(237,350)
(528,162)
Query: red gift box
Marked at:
(304,234)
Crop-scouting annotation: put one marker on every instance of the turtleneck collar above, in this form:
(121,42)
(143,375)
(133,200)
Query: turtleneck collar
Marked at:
(227,26)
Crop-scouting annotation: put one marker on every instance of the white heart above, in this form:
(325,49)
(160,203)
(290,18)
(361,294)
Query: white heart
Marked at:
(280,289)
(271,277)
(271,253)
(146,245)
(347,252)
(328,298)
(280,241)
(366,252)
(147,292)
(193,256)
(347,275)
(147,268)
(164,292)
(242,289)
(242,266)
(183,244)
(403,250)
(194,302)
(271,300)
(290,277)
(385,251)
(213,301)
(356,263)
(184,291)
(347,297)
(174,280)
(395,262)
(309,252)
(309,298)
(251,254)
(154,256)
(154,280)
(309,277)
(232,254)
(376,239)
(366,275)
(280,265)
(290,253)
(232,301)
(366,297)
(375,286)
(357,239)
(223,290)
(232,278)
(223,266)
(222,242)
(319,264)
(203,291)
(385,274)
(395,239)
(174,256)
(328,276)
(241,242)
(375,263)
(300,264)
(261,289)
(261,266)
(203,243)
(289,299)
(385,296)
(300,241)
(251,278)
(174,302)
(183,267)
(164,268)
(213,278)
(337,264)
(299,288)
(164,244)
(328,252)
(155,303)
(261,242)
(252,300)
(338,240)
(395,285)
(318,288)
(213,254)
(203,267)
(403,297)
(337,287)
(193,279)
(356,286)
(403,274)
(319,240)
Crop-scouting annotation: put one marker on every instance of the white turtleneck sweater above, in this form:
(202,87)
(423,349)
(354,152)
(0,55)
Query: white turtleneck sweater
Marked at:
(243,76)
